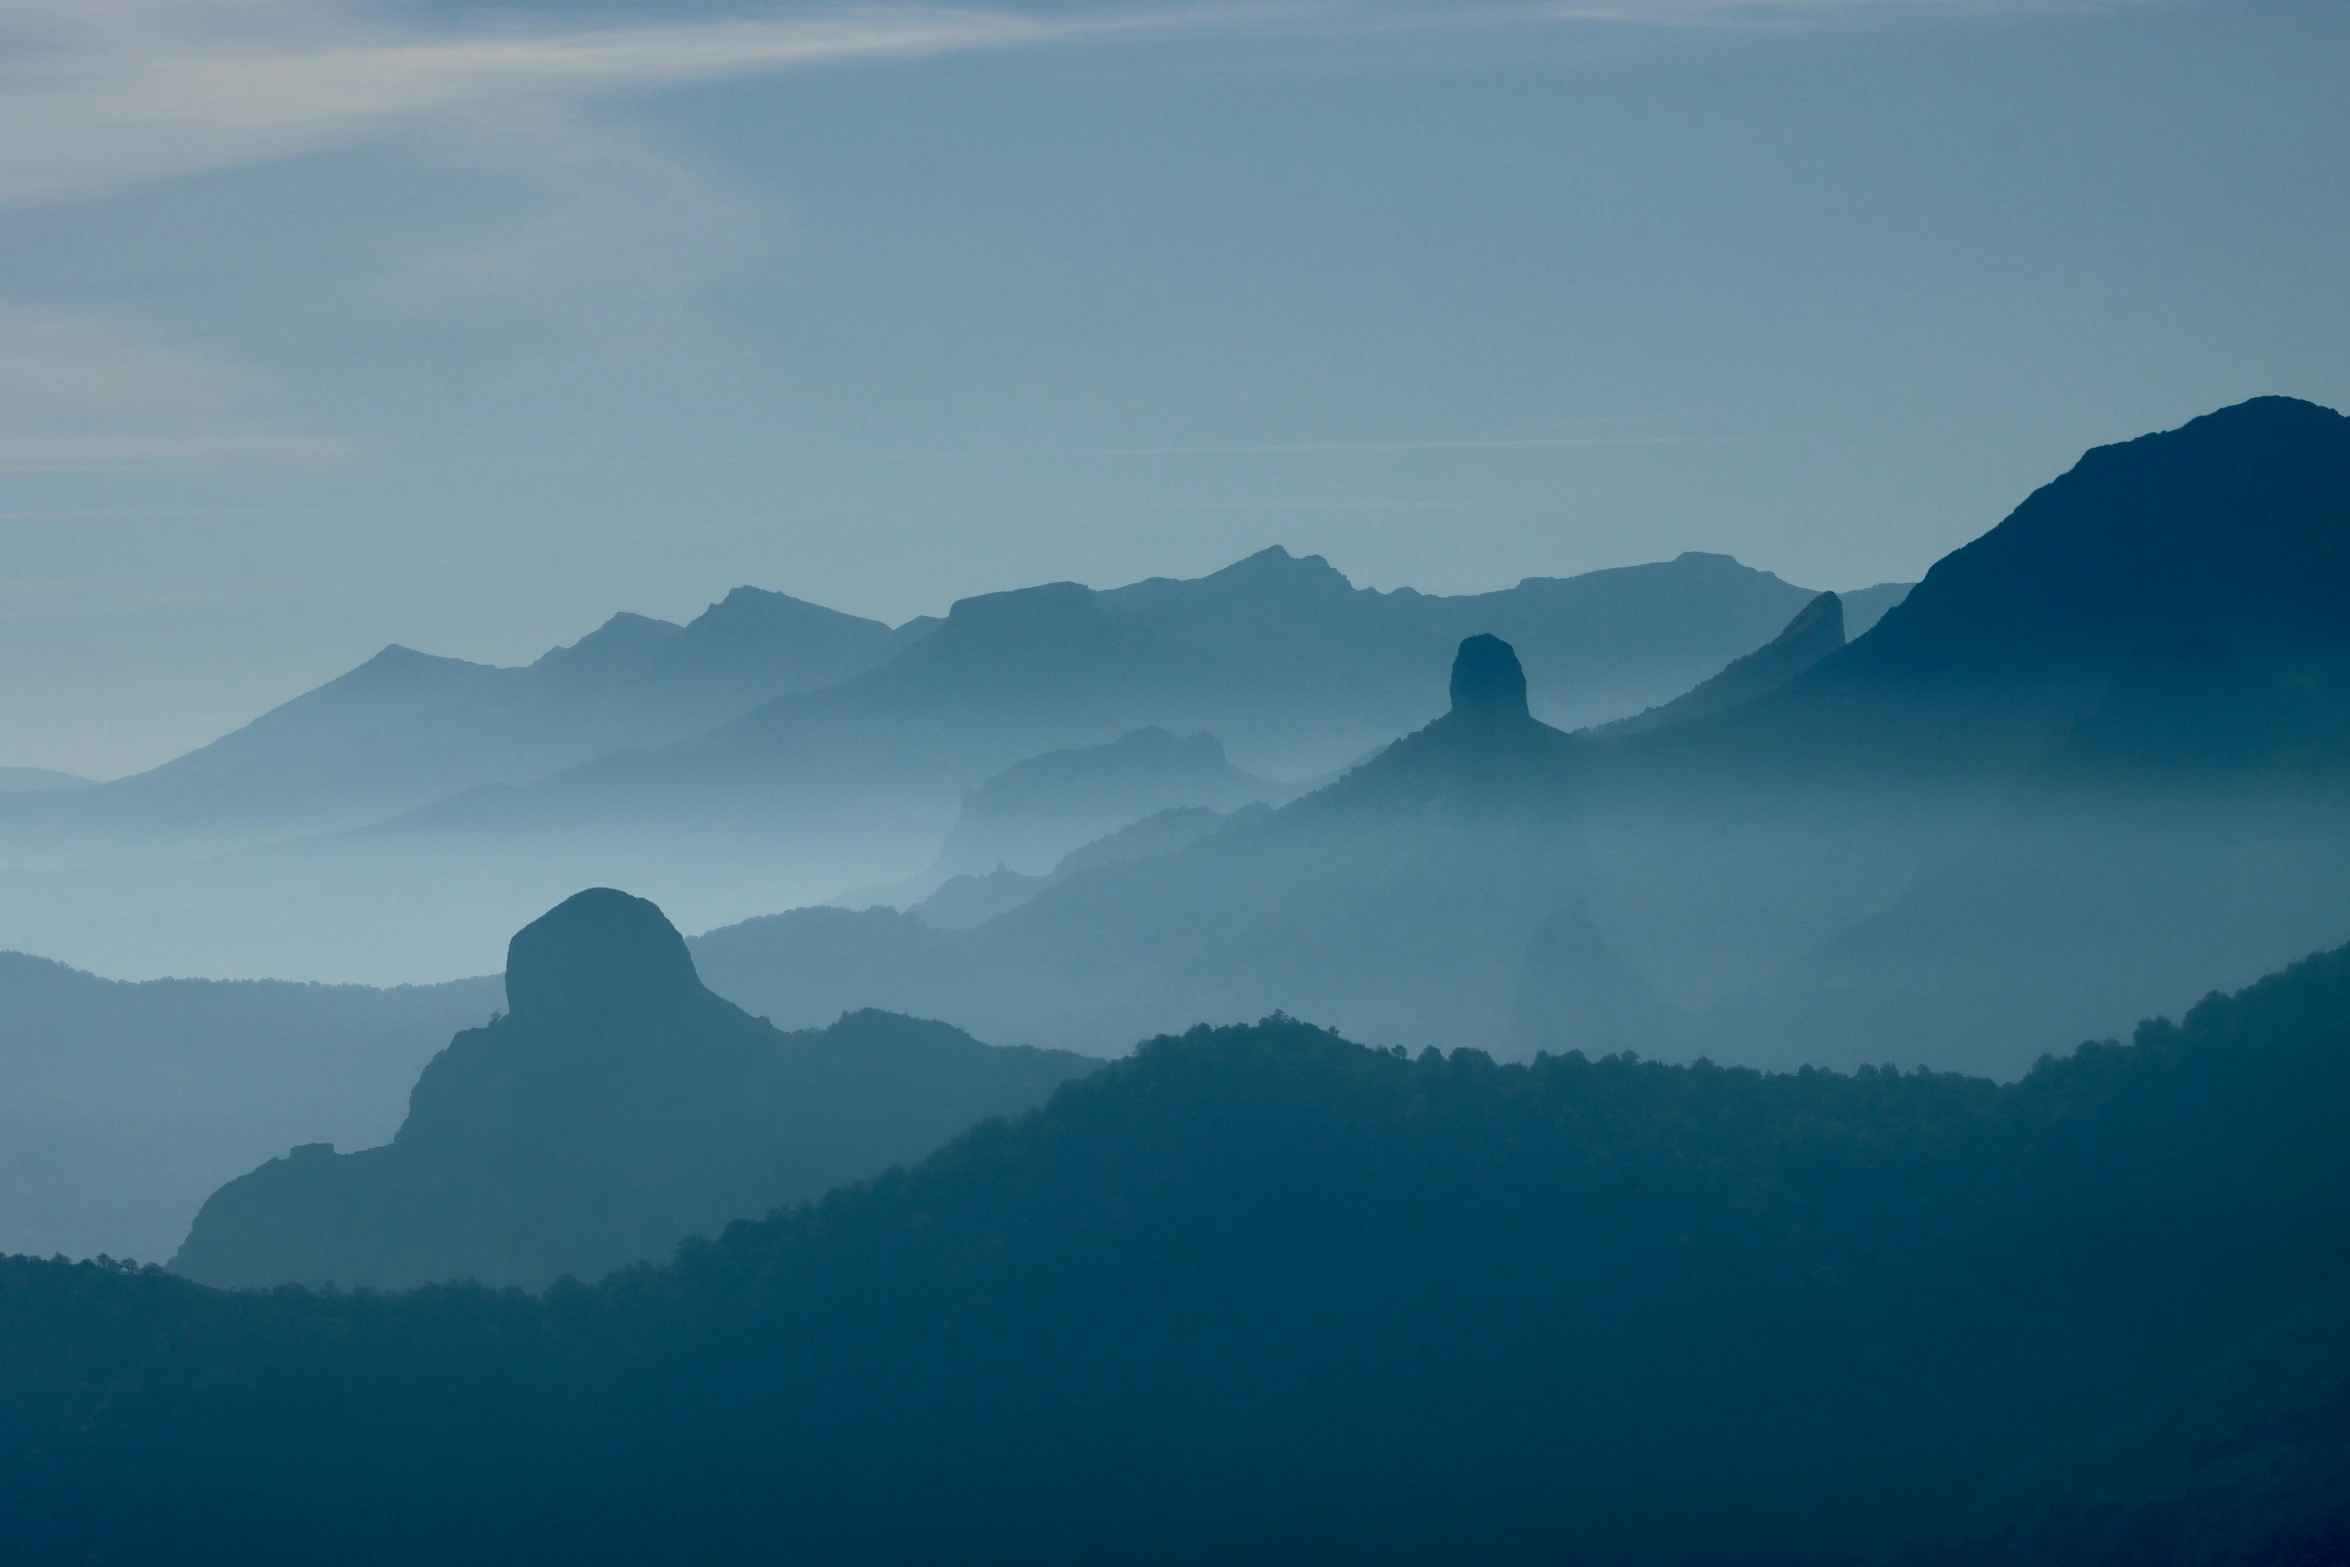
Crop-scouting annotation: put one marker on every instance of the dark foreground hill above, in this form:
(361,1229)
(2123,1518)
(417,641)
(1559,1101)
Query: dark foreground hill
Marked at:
(618,1108)
(1257,1294)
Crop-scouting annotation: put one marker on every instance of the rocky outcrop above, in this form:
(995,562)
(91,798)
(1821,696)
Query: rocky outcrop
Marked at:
(1488,752)
(616,1109)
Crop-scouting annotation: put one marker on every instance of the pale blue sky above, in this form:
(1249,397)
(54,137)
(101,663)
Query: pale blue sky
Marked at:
(324,325)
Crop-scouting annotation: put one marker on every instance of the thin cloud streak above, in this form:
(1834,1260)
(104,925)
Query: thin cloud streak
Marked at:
(103,93)
(154,93)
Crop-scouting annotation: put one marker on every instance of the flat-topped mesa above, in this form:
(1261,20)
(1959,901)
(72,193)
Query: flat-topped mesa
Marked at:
(597,956)
(1488,683)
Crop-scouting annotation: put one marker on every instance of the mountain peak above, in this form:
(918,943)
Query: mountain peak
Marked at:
(596,955)
(1488,682)
(1275,567)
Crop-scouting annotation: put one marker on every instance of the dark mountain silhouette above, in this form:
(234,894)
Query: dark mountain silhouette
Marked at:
(406,728)
(1259,1294)
(1816,631)
(123,1105)
(617,1108)
(2126,702)
(2230,535)
(2108,744)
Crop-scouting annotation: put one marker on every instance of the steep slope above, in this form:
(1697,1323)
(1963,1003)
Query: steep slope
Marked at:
(122,1105)
(1261,1295)
(2230,534)
(616,1109)
(2146,663)
(2116,732)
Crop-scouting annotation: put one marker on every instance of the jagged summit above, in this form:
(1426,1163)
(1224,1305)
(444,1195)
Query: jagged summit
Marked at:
(1488,683)
(596,955)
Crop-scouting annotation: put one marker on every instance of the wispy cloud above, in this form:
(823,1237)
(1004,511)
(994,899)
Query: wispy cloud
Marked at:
(98,93)
(112,91)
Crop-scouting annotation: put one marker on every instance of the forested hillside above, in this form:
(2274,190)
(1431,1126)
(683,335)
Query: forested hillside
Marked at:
(1262,1294)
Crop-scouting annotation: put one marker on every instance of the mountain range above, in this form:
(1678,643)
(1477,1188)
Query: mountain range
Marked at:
(1292,670)
(406,728)
(2146,790)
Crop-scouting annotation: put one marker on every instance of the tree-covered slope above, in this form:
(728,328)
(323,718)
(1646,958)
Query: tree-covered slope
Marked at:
(1260,1294)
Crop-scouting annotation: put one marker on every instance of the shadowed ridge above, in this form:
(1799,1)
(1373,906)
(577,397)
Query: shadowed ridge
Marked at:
(2236,524)
(2232,531)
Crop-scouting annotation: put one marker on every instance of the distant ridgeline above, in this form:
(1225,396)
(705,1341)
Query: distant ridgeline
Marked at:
(402,820)
(1258,1294)
(617,1108)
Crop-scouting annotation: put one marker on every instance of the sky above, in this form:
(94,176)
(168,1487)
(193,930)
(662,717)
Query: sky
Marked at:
(327,324)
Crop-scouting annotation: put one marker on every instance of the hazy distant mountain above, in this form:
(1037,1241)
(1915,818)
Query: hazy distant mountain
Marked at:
(37,780)
(1398,900)
(2138,820)
(961,902)
(1291,666)
(1029,815)
(122,1106)
(616,1109)
(1022,825)
(406,728)
(1294,671)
